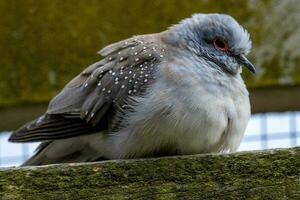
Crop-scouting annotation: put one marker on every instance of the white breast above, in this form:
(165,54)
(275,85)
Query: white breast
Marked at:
(197,119)
(192,108)
(191,119)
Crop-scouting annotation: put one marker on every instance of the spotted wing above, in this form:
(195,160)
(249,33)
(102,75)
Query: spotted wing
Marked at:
(91,100)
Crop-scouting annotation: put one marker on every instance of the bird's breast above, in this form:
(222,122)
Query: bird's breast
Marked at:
(198,118)
(192,115)
(192,118)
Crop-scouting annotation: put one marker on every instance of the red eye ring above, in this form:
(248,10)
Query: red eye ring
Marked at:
(221,44)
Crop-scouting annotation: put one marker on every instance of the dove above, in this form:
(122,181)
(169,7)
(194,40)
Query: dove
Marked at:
(176,92)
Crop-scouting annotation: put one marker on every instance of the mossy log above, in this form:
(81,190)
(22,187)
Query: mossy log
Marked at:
(271,174)
(46,43)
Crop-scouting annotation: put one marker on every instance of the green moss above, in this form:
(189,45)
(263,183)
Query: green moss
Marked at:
(45,43)
(256,175)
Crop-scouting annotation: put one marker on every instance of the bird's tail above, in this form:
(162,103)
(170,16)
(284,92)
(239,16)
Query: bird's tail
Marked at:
(63,151)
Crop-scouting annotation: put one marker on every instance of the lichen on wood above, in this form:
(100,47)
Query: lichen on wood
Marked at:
(272,174)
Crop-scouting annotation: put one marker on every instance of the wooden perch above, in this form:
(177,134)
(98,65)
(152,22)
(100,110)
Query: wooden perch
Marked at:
(271,174)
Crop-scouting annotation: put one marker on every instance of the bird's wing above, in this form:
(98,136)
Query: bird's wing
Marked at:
(89,102)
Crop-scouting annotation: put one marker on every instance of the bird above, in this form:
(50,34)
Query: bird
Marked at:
(177,92)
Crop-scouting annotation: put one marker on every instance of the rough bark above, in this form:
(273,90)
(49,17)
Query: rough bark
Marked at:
(272,174)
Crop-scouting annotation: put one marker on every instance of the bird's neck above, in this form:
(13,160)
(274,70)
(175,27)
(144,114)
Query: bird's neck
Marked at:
(191,71)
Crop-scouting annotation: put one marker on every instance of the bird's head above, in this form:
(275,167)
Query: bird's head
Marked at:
(218,38)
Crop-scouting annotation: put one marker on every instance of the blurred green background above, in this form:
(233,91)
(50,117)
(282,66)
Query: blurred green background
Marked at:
(47,42)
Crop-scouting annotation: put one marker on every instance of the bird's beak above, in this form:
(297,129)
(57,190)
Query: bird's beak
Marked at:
(242,60)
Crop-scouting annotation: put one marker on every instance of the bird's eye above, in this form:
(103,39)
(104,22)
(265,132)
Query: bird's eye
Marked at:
(221,44)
